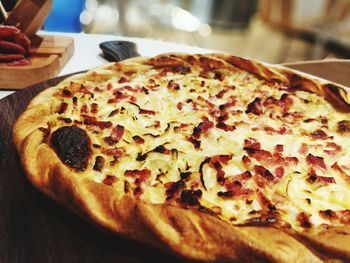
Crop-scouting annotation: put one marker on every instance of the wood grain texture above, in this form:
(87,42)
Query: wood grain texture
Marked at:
(34,228)
(336,70)
(29,15)
(48,55)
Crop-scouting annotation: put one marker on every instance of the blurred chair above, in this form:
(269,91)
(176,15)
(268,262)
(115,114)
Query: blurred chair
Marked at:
(320,22)
(64,16)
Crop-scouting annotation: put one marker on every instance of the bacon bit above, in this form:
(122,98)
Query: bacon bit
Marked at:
(113,152)
(142,175)
(123,80)
(67,93)
(335,148)
(246,161)
(147,112)
(345,176)
(265,202)
(235,192)
(173,187)
(132,99)
(172,85)
(279,171)
(225,127)
(190,197)
(75,101)
(304,149)
(97,89)
(179,105)
(313,177)
(227,105)
(328,214)
(202,83)
(257,153)
(284,130)
(63,107)
(270,101)
(279,148)
(110,141)
(255,107)
(219,76)
(66,120)
(196,143)
(118,95)
(223,117)
(109,86)
(252,143)
(109,180)
(292,159)
(194,105)
(83,109)
(99,163)
(286,102)
(118,132)
(209,104)
(316,160)
(86,90)
(221,93)
(343,126)
(344,216)
(100,124)
(202,127)
(138,139)
(319,135)
(262,171)
(94,108)
(304,220)
(113,113)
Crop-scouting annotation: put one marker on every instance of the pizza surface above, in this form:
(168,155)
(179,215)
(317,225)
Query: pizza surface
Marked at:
(211,157)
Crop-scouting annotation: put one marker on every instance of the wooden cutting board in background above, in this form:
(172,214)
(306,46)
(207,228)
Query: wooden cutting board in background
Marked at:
(48,55)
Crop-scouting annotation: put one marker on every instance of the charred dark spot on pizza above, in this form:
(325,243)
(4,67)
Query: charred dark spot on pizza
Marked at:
(255,107)
(183,70)
(219,76)
(113,113)
(174,187)
(66,92)
(99,163)
(319,135)
(73,146)
(190,197)
(328,214)
(205,161)
(172,85)
(304,220)
(63,108)
(184,175)
(343,126)
(65,120)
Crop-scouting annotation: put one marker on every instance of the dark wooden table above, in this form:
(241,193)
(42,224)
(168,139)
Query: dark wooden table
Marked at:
(35,229)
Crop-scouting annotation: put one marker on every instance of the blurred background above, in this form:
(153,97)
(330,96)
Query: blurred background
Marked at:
(274,31)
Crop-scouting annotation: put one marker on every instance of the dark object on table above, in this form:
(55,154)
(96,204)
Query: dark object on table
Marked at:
(115,51)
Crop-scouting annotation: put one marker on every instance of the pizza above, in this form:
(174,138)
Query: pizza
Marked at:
(209,157)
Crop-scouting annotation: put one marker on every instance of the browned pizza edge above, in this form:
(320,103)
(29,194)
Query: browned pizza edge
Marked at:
(161,225)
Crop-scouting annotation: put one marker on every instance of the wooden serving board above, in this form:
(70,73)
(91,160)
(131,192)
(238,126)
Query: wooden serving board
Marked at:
(35,229)
(48,56)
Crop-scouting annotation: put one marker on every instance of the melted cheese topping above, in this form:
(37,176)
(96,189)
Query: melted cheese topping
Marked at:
(231,144)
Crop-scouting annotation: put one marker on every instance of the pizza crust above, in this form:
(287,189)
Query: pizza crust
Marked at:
(184,232)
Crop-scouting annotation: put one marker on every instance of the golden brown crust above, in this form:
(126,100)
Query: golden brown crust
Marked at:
(186,232)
